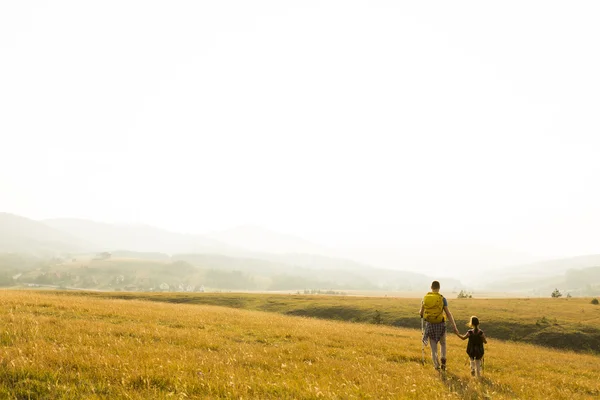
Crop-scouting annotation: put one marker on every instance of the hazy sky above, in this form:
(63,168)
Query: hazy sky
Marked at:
(381,123)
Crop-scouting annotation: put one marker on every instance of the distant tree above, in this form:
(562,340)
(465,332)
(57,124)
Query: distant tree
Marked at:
(595,301)
(464,295)
(556,293)
(103,256)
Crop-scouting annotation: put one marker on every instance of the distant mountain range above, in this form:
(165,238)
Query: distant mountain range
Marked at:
(248,247)
(141,238)
(19,234)
(258,239)
(575,275)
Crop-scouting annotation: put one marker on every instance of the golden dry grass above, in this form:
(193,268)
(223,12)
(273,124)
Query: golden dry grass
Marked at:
(58,346)
(559,323)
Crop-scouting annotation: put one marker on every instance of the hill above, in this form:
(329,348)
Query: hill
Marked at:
(549,268)
(260,240)
(125,270)
(67,248)
(24,235)
(244,249)
(134,237)
(448,261)
(309,271)
(578,276)
(389,279)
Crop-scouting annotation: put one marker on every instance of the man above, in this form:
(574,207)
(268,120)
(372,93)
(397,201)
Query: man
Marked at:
(433,308)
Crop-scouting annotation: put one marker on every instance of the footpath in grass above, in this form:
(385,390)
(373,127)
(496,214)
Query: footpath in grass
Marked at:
(572,324)
(60,346)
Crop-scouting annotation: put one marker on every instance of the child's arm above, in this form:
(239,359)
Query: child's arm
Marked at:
(483,337)
(463,337)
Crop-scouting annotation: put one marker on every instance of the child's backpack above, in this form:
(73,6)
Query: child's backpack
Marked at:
(475,345)
(433,308)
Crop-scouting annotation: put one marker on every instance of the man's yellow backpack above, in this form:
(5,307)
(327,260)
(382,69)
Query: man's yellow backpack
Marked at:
(433,308)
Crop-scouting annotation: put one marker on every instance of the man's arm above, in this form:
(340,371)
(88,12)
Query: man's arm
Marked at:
(421,310)
(451,318)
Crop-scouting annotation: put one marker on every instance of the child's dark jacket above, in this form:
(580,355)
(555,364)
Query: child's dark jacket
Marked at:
(475,345)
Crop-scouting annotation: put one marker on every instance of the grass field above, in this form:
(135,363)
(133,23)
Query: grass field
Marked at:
(558,323)
(57,345)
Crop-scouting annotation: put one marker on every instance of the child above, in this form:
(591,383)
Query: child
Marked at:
(475,346)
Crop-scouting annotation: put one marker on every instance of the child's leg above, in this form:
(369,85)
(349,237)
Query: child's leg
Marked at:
(478,367)
(472,366)
(434,356)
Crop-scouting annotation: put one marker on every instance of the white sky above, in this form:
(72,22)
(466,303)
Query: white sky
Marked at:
(374,124)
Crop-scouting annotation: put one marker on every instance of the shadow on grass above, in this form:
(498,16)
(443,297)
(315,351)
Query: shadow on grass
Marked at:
(492,387)
(474,388)
(458,385)
(336,313)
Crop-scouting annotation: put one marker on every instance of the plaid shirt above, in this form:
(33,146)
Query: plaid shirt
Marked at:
(434,331)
